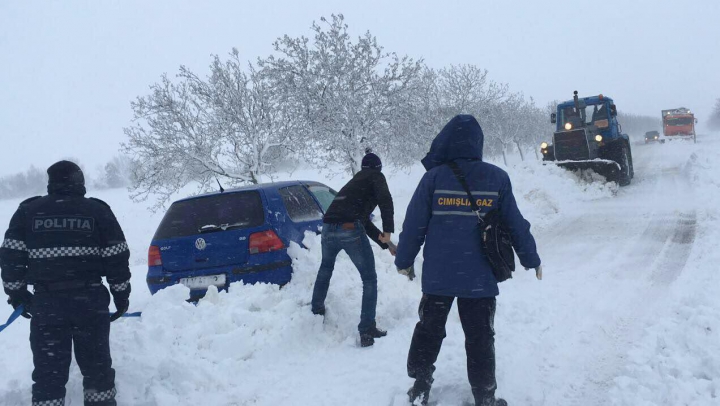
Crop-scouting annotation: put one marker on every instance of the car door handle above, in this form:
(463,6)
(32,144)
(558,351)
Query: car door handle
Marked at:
(202,259)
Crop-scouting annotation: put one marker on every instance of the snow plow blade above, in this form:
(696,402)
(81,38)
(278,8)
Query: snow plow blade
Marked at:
(604,167)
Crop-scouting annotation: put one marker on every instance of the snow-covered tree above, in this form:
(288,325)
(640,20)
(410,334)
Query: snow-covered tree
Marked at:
(37,180)
(415,126)
(504,125)
(113,177)
(23,184)
(714,121)
(466,89)
(436,97)
(350,92)
(227,126)
(536,128)
(118,172)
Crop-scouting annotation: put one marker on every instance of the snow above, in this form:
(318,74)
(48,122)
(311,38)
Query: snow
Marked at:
(677,361)
(628,312)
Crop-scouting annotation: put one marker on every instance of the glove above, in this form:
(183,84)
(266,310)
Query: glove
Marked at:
(21,298)
(538,272)
(409,272)
(122,305)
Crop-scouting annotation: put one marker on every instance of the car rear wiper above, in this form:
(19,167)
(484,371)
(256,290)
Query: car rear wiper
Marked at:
(212,227)
(208,228)
(234,225)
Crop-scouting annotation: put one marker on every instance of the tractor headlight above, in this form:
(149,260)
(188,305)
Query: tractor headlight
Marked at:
(656,137)
(598,138)
(544,145)
(568,126)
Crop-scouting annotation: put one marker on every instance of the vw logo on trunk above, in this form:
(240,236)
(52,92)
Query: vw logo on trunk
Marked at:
(200,244)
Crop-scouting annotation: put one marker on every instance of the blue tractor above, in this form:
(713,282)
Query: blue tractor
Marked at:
(588,136)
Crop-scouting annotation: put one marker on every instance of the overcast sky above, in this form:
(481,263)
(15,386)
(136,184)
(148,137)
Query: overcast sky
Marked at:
(69,69)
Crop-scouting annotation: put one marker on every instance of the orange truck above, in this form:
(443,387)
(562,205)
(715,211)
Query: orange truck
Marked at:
(678,123)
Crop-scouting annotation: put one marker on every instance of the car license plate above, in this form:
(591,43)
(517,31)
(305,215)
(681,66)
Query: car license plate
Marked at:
(202,282)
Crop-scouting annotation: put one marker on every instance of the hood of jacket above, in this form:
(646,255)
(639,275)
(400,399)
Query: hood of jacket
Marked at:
(461,138)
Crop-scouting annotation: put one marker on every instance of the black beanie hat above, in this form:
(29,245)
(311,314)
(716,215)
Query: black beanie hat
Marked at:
(65,173)
(371,160)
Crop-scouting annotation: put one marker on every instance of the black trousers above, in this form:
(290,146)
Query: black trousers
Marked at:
(477,317)
(61,320)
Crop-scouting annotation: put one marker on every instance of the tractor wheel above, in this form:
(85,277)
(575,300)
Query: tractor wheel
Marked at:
(623,158)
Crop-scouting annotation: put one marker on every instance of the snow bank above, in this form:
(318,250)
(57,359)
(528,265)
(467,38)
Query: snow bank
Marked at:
(261,344)
(545,192)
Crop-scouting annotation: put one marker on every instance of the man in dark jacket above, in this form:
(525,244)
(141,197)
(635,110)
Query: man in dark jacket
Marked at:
(454,267)
(346,224)
(62,244)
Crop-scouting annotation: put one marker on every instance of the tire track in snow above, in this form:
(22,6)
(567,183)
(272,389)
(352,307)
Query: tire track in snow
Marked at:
(672,261)
(665,246)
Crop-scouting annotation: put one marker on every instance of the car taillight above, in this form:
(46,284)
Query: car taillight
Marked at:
(154,258)
(265,241)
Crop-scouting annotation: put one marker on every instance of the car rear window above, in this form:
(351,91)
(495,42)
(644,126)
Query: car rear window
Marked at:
(212,213)
(299,204)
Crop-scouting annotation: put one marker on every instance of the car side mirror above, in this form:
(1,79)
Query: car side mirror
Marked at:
(553,118)
(613,110)
(696,121)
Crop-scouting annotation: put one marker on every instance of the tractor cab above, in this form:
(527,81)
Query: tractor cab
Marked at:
(582,124)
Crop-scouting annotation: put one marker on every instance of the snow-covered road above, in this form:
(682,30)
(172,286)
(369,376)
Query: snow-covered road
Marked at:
(610,264)
(627,314)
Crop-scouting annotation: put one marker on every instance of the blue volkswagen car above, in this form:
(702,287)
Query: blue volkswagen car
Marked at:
(236,235)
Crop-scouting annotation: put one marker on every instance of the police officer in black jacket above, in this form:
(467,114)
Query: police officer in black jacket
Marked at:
(62,244)
(346,224)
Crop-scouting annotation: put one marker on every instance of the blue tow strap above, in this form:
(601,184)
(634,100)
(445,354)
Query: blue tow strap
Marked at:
(15,314)
(134,314)
(20,309)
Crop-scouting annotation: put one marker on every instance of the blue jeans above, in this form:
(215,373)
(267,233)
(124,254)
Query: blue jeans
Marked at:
(357,245)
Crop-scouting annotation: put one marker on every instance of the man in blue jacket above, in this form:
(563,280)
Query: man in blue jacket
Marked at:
(440,216)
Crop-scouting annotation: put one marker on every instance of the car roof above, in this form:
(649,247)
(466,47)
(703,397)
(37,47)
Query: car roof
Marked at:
(259,186)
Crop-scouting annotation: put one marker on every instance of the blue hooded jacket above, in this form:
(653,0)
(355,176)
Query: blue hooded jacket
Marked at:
(440,216)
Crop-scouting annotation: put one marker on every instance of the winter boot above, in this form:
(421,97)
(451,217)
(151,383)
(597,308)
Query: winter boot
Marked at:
(419,394)
(368,338)
(491,401)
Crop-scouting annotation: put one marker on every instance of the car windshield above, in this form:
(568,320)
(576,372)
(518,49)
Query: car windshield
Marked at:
(678,121)
(211,214)
(324,195)
(593,113)
(569,115)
